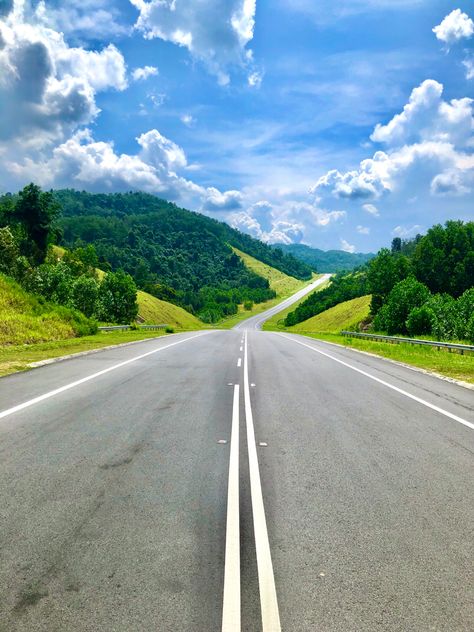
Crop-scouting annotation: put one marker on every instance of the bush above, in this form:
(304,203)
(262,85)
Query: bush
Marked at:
(420,321)
(445,316)
(169,330)
(85,293)
(405,296)
(465,313)
(248,305)
(117,301)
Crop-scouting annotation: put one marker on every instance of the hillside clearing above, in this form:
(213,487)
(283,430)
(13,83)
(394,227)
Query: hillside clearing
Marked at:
(344,316)
(154,311)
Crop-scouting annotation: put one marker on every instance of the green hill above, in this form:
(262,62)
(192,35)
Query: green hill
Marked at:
(154,311)
(283,284)
(344,316)
(24,319)
(327,260)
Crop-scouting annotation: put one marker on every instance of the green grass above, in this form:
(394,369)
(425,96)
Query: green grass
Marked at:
(18,357)
(283,284)
(24,319)
(454,365)
(345,316)
(156,312)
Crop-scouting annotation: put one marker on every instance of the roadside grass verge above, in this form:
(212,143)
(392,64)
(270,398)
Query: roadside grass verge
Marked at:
(15,358)
(453,365)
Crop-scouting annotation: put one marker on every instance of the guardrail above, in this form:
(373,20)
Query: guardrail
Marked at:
(413,341)
(127,327)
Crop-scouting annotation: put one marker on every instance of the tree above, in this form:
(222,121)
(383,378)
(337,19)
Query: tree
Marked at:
(37,211)
(405,296)
(85,292)
(117,301)
(385,270)
(8,251)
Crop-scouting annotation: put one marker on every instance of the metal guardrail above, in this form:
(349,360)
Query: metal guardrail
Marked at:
(127,327)
(413,341)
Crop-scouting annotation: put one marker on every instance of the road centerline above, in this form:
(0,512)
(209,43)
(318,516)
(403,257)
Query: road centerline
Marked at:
(424,402)
(231,603)
(266,579)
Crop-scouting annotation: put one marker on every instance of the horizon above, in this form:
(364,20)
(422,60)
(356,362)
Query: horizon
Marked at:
(265,116)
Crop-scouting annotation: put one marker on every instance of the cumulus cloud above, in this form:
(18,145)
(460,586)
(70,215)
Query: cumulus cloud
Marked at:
(141,74)
(455,26)
(48,87)
(428,147)
(469,66)
(87,19)
(188,120)
(215,200)
(213,31)
(363,230)
(406,231)
(426,117)
(371,209)
(346,246)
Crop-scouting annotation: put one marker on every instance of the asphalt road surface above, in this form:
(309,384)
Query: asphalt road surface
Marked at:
(235,480)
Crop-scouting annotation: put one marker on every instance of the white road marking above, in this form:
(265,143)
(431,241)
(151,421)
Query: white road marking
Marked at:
(241,348)
(93,376)
(446,413)
(231,604)
(239,362)
(266,580)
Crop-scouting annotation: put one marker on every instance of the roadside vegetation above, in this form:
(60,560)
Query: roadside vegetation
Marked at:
(344,316)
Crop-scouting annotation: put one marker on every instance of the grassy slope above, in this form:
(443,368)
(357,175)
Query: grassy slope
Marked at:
(23,320)
(345,316)
(154,311)
(283,285)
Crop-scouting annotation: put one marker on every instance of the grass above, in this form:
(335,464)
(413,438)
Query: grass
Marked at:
(18,357)
(454,365)
(344,316)
(283,284)
(157,312)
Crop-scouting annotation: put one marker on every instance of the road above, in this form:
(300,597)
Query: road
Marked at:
(235,480)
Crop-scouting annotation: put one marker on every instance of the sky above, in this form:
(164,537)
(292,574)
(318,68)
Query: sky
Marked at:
(333,123)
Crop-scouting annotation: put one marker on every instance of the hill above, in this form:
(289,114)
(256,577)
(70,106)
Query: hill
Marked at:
(283,284)
(25,319)
(327,260)
(155,311)
(344,316)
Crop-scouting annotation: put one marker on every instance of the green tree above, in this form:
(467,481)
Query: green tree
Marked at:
(84,296)
(405,296)
(36,211)
(385,271)
(117,301)
(8,251)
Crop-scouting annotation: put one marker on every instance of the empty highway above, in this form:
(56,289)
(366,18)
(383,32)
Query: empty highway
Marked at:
(235,480)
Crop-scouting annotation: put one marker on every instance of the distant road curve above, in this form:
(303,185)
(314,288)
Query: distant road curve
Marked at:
(256,322)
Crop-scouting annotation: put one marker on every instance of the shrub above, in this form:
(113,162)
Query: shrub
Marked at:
(465,313)
(445,316)
(117,301)
(248,305)
(405,296)
(85,292)
(169,330)
(420,321)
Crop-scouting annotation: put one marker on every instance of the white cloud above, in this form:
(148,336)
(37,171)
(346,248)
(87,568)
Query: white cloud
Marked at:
(371,209)
(429,149)
(455,26)
(468,64)
(215,200)
(47,87)
(213,31)
(188,120)
(363,230)
(346,246)
(88,19)
(406,231)
(426,117)
(141,74)
(255,79)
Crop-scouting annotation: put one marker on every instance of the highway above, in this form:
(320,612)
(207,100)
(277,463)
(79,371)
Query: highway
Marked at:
(235,480)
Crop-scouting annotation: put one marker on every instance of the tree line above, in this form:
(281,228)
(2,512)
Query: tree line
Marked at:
(422,286)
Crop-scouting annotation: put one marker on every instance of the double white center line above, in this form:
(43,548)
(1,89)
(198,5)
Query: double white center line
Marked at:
(268,597)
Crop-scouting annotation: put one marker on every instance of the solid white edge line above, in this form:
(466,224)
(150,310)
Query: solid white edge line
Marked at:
(231,602)
(446,413)
(66,387)
(266,579)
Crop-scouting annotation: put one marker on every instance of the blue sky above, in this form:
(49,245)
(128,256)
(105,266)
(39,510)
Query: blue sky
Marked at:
(336,124)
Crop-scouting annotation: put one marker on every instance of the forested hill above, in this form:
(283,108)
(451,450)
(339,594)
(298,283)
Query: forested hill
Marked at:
(158,242)
(327,260)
